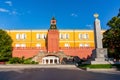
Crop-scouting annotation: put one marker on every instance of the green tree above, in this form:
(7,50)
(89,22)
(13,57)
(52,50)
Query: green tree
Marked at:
(5,46)
(111,37)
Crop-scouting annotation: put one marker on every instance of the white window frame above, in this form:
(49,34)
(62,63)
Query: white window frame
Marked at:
(67,45)
(86,45)
(17,36)
(45,36)
(17,45)
(66,36)
(80,36)
(62,36)
(38,36)
(81,45)
(85,36)
(38,45)
(23,45)
(23,36)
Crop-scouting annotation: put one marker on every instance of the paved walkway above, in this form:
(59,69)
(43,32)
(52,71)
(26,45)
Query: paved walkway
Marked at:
(37,66)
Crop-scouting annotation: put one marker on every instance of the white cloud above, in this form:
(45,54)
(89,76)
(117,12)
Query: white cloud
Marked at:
(9,3)
(3,10)
(74,15)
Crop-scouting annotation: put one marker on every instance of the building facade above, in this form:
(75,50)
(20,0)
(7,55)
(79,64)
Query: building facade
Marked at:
(52,45)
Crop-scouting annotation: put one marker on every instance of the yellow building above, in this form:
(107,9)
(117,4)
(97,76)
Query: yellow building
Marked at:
(37,38)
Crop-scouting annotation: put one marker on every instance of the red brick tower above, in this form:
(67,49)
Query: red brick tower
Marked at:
(53,37)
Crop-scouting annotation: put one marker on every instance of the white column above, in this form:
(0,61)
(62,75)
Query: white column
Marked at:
(53,61)
(57,61)
(48,61)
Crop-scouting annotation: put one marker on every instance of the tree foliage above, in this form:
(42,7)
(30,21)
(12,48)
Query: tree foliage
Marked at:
(5,46)
(111,37)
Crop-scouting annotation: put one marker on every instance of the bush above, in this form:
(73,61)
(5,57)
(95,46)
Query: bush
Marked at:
(29,61)
(16,60)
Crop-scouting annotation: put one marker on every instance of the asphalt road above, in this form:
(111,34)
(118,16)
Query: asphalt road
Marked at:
(56,74)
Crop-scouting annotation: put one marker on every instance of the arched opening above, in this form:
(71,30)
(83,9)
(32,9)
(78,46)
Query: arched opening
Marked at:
(50,60)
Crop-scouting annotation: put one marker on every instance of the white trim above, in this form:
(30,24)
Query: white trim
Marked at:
(75,41)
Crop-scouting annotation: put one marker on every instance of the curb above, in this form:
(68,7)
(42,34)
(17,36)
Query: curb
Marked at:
(19,66)
(112,69)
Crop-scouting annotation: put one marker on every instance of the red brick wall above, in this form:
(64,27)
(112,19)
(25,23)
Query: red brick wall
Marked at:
(83,53)
(26,52)
(30,52)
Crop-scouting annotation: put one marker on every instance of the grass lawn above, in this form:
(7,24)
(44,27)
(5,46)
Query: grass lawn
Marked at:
(106,66)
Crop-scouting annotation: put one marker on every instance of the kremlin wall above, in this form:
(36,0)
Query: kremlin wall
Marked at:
(52,45)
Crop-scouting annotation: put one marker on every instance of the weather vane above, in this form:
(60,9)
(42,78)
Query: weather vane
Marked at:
(96,15)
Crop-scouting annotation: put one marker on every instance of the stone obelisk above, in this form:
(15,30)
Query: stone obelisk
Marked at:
(100,53)
(97,32)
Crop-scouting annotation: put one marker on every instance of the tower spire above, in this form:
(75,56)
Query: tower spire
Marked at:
(53,23)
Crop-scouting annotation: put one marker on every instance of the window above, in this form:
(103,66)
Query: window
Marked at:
(80,36)
(85,36)
(37,36)
(61,36)
(17,36)
(17,45)
(23,45)
(67,45)
(81,45)
(43,36)
(38,45)
(67,36)
(23,36)
(86,45)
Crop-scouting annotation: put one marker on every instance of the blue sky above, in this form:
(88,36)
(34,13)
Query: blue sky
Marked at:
(70,14)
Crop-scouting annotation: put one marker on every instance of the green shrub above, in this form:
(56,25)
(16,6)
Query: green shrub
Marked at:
(16,60)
